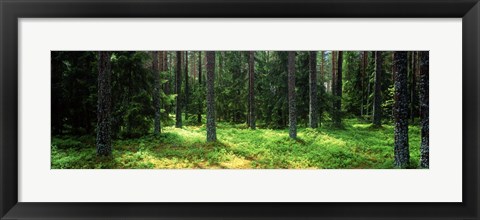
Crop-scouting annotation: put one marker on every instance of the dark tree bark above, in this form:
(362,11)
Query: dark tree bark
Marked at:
(401,148)
(160,61)
(193,68)
(156,93)
(322,65)
(199,114)
(377,98)
(221,61)
(162,86)
(104,141)
(337,118)
(313,102)
(424,147)
(334,71)
(321,106)
(292,116)
(164,66)
(178,88)
(364,63)
(186,85)
(414,94)
(251,70)
(211,127)
(415,97)
(169,80)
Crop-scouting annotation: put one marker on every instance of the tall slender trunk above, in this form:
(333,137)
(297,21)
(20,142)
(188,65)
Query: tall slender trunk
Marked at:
(313,102)
(424,114)
(200,106)
(334,71)
(168,78)
(362,81)
(104,99)
(414,99)
(251,68)
(156,93)
(367,82)
(377,101)
(211,127)
(292,116)
(162,68)
(165,60)
(221,66)
(401,148)
(187,92)
(178,90)
(337,118)
(322,84)
(194,69)
(322,66)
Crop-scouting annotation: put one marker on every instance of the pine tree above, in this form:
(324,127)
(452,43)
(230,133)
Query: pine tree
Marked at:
(178,89)
(337,106)
(424,147)
(377,98)
(211,127)
(401,148)
(251,100)
(104,142)
(292,116)
(200,85)
(187,89)
(156,92)
(313,103)
(413,88)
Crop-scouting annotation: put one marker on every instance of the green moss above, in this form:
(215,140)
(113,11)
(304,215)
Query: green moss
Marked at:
(357,146)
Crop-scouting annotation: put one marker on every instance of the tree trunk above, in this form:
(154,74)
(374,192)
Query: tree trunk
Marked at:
(160,61)
(199,113)
(362,89)
(194,69)
(211,127)
(186,85)
(413,103)
(156,93)
(377,98)
(169,80)
(165,60)
(178,90)
(366,78)
(401,148)
(251,68)
(104,141)
(323,88)
(313,103)
(322,65)
(424,147)
(338,91)
(292,116)
(334,70)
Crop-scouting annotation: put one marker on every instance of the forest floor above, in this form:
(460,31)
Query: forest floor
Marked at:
(357,146)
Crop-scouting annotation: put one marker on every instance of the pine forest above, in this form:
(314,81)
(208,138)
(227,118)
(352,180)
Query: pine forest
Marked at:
(239,109)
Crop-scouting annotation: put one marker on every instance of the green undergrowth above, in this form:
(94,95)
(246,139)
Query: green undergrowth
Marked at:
(357,145)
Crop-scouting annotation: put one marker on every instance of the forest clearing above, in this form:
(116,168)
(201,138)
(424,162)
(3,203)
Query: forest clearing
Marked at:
(240,110)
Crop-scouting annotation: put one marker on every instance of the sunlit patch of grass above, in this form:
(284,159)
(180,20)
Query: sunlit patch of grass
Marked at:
(357,145)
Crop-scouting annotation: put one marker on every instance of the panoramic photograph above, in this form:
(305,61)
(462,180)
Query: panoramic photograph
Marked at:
(239,110)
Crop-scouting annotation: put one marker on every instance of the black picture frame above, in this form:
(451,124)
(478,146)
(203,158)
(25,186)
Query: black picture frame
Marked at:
(12,10)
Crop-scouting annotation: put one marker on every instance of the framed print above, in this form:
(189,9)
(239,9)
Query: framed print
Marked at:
(249,110)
